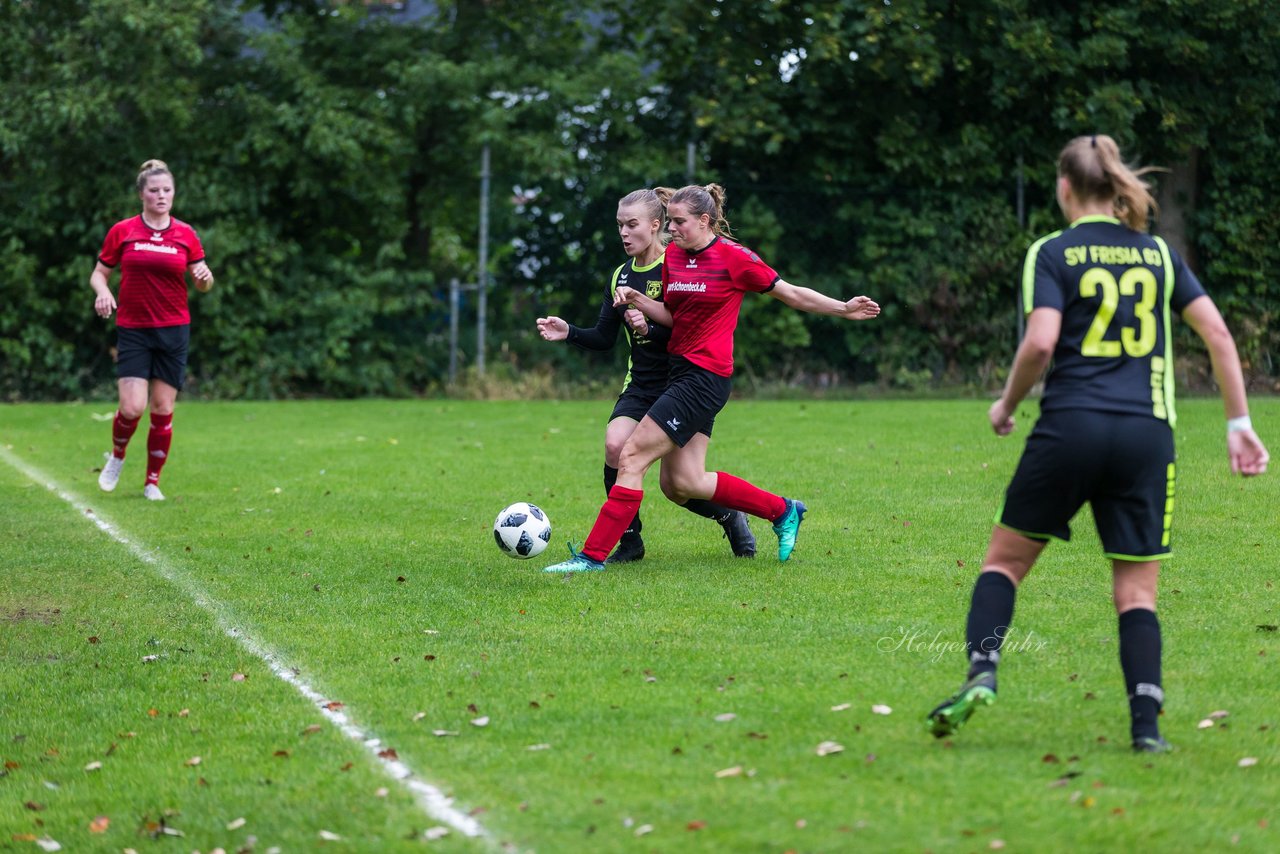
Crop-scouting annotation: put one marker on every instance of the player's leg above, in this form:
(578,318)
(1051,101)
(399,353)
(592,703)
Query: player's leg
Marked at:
(1009,558)
(647,444)
(133,368)
(1134,588)
(160,436)
(631,545)
(684,475)
(169,370)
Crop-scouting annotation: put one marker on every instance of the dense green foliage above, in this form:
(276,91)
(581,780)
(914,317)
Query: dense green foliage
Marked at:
(329,155)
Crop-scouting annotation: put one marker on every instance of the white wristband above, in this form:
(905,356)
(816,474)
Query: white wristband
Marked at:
(1235,425)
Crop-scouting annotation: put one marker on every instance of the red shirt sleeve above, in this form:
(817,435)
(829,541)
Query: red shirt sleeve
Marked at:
(113,245)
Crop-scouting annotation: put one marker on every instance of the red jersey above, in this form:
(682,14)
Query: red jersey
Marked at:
(153,265)
(703,290)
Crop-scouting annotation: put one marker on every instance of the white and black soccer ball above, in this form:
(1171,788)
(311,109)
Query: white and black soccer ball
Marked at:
(522,530)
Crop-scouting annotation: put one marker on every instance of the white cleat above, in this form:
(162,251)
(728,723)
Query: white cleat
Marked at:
(110,475)
(151,492)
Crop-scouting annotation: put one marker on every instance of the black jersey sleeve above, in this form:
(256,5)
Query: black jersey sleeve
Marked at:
(659,334)
(603,335)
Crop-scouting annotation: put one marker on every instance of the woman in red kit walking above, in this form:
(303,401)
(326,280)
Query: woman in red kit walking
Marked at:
(704,278)
(154,251)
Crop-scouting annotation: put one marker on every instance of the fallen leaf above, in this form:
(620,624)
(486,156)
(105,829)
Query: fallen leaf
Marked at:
(93,766)
(33,806)
(644,829)
(735,771)
(312,729)
(881,709)
(333,705)
(801,823)
(193,761)
(1248,761)
(1049,758)
(1218,715)
(996,844)
(538,747)
(843,707)
(1204,724)
(827,748)
(48,843)
(99,824)
(235,823)
(431,834)
(281,754)
(389,753)
(147,659)
(237,677)
(695,825)
(483,720)
(381,792)
(419,716)
(725,718)
(329,836)
(93,639)
(441,733)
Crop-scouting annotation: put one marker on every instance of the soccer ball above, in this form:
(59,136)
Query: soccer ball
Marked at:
(522,530)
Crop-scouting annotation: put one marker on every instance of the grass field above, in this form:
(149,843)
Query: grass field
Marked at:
(177,668)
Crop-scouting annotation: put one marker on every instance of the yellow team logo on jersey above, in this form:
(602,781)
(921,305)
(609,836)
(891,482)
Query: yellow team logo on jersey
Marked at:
(653,288)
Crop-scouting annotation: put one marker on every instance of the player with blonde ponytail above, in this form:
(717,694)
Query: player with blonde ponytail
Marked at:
(1100,294)
(155,252)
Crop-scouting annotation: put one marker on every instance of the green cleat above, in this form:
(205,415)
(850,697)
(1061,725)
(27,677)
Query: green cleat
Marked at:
(1147,744)
(951,713)
(788,526)
(577,563)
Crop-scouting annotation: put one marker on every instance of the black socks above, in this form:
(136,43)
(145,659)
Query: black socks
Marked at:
(990,612)
(1140,661)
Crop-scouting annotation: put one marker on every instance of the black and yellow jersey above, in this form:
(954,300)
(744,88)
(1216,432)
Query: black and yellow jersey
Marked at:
(1116,289)
(647,364)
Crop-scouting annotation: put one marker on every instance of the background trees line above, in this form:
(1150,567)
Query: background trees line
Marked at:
(329,155)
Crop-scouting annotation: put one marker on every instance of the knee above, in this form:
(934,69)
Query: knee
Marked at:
(613,451)
(131,411)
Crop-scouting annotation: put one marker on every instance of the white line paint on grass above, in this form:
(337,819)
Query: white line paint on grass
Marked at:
(431,799)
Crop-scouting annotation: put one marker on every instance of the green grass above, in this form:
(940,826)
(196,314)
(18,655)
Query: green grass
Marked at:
(352,540)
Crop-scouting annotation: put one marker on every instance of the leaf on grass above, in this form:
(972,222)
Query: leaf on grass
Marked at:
(184,713)
(329,836)
(1064,779)
(431,834)
(881,709)
(827,748)
(757,735)
(419,716)
(99,824)
(1248,761)
(1267,627)
(93,766)
(48,843)
(312,729)
(333,705)
(538,747)
(1218,715)
(735,771)
(726,717)
(236,823)
(843,707)
(389,753)
(33,806)
(1204,724)
(381,792)
(1049,759)
(441,733)
(483,720)
(644,829)
(281,754)
(696,824)
(996,844)
(93,639)
(237,677)
(147,659)
(193,761)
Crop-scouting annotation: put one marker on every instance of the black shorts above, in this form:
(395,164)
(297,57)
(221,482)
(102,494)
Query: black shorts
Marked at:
(691,402)
(1123,465)
(153,354)
(634,402)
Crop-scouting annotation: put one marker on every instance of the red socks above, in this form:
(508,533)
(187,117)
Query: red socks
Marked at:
(121,433)
(735,493)
(158,440)
(615,516)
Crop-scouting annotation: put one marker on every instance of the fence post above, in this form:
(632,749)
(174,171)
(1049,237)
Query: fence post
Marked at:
(453,330)
(482,280)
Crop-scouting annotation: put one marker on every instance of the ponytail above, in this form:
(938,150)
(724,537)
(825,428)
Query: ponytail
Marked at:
(149,169)
(707,200)
(1095,170)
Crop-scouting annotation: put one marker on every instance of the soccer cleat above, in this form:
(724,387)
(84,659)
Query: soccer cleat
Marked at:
(151,492)
(951,713)
(788,526)
(630,549)
(578,562)
(1147,744)
(110,475)
(741,540)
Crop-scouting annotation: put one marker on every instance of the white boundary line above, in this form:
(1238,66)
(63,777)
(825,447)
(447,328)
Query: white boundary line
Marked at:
(432,800)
